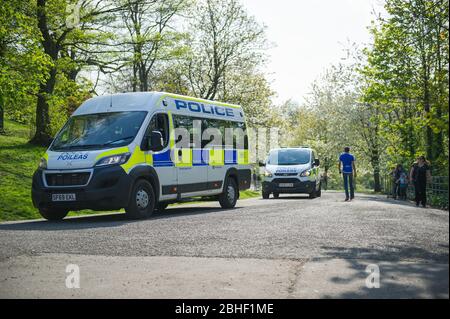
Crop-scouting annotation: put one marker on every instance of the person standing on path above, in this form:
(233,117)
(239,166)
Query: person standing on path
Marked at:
(420,175)
(348,170)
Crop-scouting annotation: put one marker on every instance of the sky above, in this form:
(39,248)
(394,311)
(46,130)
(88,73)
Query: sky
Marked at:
(308,36)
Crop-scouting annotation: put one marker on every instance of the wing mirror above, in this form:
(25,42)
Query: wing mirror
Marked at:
(154,142)
(261,164)
(316,162)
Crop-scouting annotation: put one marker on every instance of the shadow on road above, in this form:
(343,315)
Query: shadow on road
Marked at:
(287,196)
(398,279)
(106,220)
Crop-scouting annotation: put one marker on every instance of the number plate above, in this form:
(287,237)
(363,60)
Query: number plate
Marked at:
(63,197)
(286,185)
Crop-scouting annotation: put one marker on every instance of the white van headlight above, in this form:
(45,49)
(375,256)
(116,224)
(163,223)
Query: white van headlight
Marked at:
(306,173)
(267,174)
(118,159)
(43,163)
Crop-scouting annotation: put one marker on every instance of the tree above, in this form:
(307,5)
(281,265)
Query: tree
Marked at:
(151,38)
(408,78)
(22,65)
(65,43)
(225,40)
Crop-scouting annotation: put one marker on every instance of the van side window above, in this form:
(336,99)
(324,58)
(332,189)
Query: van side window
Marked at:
(190,124)
(238,130)
(219,127)
(243,130)
(160,123)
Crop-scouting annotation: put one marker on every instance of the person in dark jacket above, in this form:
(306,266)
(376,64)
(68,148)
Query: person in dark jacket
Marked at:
(348,170)
(420,175)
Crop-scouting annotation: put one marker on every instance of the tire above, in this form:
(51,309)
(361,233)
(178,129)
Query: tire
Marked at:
(142,200)
(276,195)
(319,191)
(53,214)
(160,207)
(265,195)
(230,194)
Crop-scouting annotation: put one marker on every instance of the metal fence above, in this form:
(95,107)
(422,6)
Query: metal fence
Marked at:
(437,190)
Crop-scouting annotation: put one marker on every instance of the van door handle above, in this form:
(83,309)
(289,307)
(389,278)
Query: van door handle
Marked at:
(180,153)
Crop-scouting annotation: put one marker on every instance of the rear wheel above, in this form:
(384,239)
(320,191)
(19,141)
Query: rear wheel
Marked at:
(230,193)
(142,200)
(276,195)
(53,214)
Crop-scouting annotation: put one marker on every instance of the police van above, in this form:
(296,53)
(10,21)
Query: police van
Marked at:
(291,170)
(141,152)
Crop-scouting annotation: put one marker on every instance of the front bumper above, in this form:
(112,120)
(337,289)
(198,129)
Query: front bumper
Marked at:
(299,187)
(108,189)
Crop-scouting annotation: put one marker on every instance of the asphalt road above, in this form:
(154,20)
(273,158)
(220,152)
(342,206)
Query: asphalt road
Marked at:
(291,247)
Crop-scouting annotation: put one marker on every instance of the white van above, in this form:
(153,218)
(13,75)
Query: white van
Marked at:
(143,151)
(291,170)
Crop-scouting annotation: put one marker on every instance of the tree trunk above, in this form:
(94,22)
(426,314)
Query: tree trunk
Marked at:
(375,162)
(439,137)
(2,117)
(43,134)
(376,179)
(427,106)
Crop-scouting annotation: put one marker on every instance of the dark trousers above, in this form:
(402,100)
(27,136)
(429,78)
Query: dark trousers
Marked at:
(421,192)
(395,190)
(402,191)
(348,183)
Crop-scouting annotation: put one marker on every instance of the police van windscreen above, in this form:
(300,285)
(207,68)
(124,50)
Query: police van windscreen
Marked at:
(101,130)
(288,157)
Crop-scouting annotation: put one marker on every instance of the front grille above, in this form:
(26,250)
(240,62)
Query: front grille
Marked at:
(285,180)
(286,174)
(67,179)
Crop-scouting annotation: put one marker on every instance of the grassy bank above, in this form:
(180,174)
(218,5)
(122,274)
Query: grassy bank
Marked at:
(18,161)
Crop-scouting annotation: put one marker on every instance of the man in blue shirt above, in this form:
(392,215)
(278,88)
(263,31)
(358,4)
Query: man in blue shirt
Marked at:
(348,170)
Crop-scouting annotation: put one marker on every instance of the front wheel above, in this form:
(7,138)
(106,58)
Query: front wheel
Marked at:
(142,200)
(265,195)
(319,191)
(230,193)
(53,214)
(276,195)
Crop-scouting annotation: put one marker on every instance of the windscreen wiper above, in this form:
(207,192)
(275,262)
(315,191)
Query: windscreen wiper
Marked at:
(116,141)
(72,147)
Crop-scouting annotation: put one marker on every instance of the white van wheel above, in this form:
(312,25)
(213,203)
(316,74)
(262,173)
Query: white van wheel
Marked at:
(319,192)
(229,196)
(142,200)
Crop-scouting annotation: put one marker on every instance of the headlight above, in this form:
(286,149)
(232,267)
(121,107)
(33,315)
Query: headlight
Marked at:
(43,163)
(306,173)
(267,174)
(114,160)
